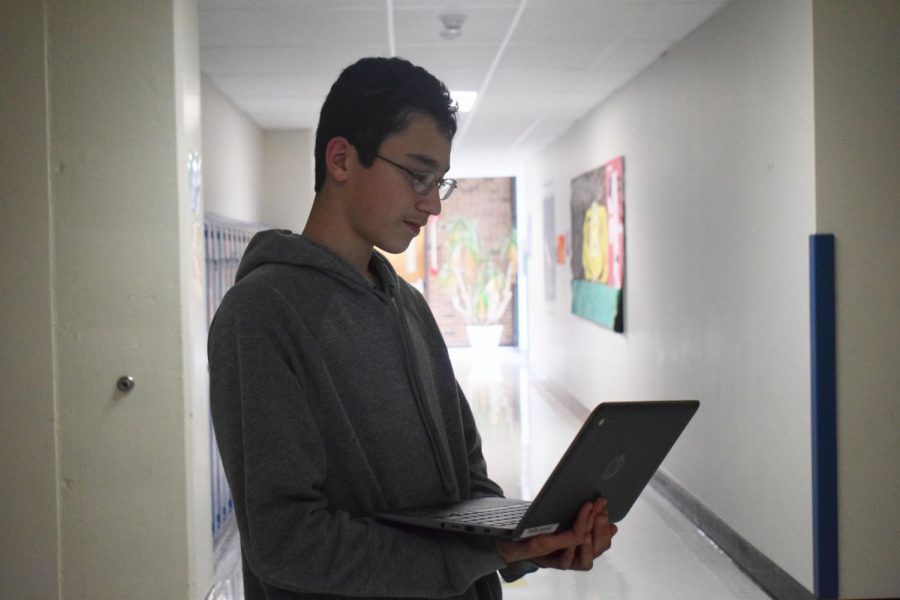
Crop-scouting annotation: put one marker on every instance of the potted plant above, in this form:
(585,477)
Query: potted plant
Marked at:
(480,278)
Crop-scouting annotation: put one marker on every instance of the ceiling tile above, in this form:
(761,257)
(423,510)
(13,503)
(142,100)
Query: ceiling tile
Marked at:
(522,81)
(583,22)
(467,63)
(572,56)
(282,61)
(487,24)
(321,25)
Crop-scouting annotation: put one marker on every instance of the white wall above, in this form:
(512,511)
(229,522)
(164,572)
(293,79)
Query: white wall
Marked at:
(195,379)
(857,83)
(718,142)
(288,177)
(27,413)
(119,141)
(250,174)
(232,158)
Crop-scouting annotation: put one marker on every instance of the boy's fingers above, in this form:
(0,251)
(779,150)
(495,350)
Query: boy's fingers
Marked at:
(583,522)
(586,555)
(602,535)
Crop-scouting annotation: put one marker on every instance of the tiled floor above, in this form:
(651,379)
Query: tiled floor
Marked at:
(657,555)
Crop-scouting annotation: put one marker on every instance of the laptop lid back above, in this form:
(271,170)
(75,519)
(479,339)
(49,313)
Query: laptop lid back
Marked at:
(615,454)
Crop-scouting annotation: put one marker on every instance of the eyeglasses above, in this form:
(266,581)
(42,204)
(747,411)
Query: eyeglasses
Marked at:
(423,182)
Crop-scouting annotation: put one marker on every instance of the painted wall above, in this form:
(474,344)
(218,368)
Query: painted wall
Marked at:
(195,380)
(27,385)
(288,177)
(251,174)
(857,86)
(232,158)
(718,141)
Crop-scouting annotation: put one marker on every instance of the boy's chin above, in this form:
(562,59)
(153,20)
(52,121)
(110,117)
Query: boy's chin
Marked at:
(394,247)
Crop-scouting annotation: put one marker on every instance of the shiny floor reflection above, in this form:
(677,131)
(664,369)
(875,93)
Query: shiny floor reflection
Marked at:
(658,554)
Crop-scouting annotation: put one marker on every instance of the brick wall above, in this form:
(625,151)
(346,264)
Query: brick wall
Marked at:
(491,203)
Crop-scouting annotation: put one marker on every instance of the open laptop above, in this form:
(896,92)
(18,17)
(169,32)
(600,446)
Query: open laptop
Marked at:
(616,452)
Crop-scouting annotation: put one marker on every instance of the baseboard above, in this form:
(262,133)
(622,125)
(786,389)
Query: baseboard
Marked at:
(556,393)
(767,575)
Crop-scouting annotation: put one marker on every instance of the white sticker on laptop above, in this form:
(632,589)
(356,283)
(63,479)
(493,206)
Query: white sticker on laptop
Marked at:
(540,529)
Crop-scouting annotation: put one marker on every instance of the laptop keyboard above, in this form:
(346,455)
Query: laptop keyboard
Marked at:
(502,516)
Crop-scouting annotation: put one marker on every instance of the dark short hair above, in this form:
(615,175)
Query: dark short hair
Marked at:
(373,99)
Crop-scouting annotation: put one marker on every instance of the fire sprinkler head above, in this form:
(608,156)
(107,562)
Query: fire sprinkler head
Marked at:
(452,26)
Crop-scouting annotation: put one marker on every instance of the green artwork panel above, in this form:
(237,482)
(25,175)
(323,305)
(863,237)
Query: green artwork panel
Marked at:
(597,302)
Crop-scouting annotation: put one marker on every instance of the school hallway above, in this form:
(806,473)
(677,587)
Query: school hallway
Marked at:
(658,553)
(753,145)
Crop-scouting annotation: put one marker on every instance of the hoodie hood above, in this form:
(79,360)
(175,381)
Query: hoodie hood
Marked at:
(280,246)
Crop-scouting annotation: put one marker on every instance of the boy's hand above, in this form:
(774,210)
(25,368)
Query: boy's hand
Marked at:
(590,536)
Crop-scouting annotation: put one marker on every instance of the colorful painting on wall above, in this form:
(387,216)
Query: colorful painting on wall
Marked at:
(598,244)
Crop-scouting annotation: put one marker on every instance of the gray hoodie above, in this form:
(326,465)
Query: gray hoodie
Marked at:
(332,400)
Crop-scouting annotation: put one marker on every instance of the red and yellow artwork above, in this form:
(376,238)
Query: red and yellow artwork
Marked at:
(598,244)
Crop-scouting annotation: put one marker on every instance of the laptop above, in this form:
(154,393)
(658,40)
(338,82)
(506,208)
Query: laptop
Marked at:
(616,452)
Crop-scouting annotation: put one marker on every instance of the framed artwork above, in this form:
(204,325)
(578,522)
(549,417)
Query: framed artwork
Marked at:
(598,244)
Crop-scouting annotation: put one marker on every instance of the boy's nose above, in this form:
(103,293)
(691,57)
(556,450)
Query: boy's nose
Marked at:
(431,202)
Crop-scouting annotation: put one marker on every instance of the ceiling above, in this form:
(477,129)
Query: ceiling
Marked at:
(538,65)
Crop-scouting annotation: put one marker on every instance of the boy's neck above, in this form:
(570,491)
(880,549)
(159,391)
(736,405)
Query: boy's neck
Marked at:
(325,227)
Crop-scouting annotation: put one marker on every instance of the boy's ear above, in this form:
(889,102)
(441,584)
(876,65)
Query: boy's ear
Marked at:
(339,154)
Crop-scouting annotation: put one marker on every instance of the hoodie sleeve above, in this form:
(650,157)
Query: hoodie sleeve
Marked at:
(276,466)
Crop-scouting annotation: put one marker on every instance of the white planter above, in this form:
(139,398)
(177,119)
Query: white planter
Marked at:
(484,337)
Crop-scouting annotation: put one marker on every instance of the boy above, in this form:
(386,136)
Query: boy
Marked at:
(333,396)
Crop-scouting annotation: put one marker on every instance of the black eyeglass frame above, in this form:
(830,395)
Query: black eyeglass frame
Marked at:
(423,181)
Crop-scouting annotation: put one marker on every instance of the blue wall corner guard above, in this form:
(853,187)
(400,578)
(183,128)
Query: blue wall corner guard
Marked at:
(824,414)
